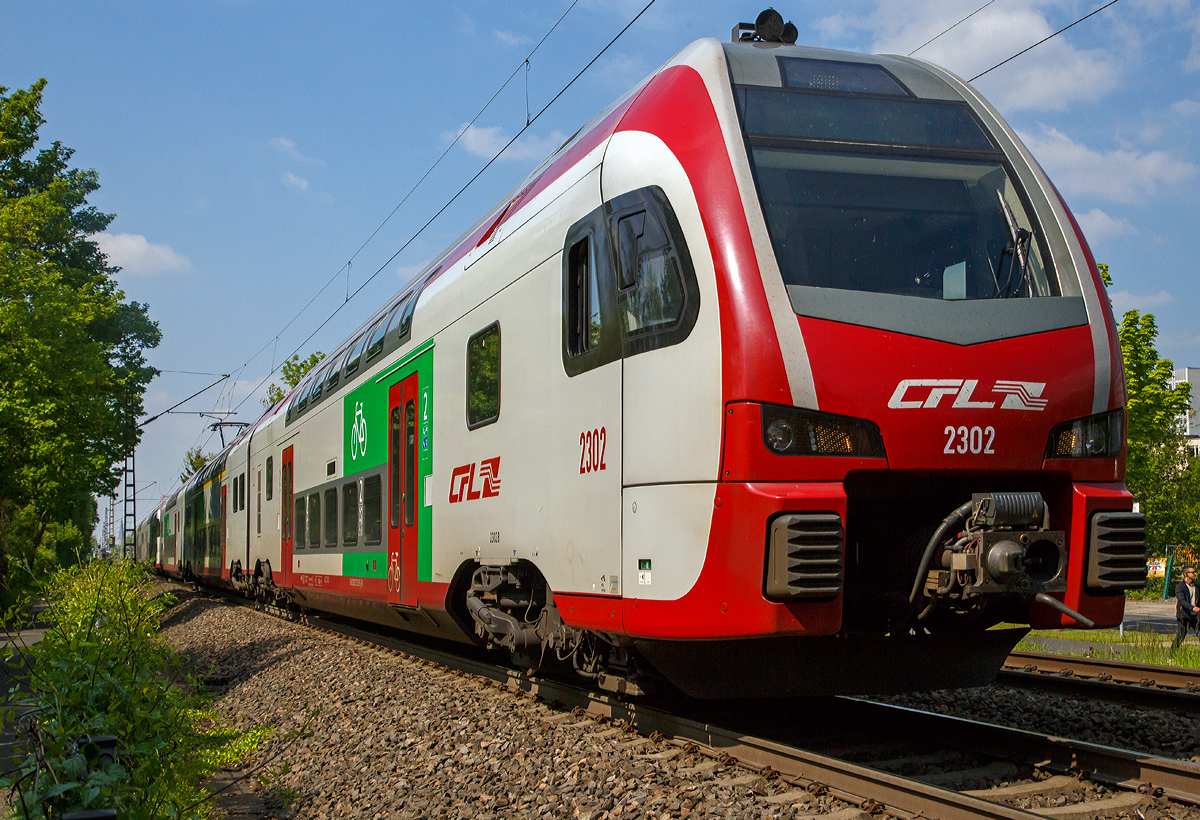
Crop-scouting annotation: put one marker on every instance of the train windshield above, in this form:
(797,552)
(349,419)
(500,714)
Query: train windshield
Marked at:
(913,201)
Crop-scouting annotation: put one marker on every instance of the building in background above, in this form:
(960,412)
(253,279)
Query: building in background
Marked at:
(1190,424)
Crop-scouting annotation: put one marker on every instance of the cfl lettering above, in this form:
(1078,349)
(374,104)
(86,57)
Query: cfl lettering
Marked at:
(462,481)
(928,394)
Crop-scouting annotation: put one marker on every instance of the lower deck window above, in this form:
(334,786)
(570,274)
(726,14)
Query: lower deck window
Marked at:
(372,510)
(350,513)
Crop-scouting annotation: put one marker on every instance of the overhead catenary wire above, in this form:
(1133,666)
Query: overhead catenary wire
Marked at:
(457,137)
(1044,39)
(454,198)
(956,25)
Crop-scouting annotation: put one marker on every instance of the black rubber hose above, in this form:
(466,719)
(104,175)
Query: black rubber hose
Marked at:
(949,523)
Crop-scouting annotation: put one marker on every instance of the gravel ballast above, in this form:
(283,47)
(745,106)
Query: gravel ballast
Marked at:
(364,733)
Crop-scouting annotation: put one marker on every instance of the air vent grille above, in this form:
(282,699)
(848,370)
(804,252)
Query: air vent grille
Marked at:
(1117,551)
(805,557)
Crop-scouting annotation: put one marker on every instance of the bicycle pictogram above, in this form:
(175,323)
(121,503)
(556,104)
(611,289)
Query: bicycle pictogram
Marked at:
(358,433)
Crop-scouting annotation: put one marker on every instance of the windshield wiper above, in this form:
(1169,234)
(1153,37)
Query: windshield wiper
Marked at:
(1019,246)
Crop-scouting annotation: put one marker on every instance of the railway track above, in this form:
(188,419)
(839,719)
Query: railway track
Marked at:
(877,759)
(1136,684)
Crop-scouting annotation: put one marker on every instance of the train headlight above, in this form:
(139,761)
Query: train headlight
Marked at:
(790,431)
(1099,436)
(780,436)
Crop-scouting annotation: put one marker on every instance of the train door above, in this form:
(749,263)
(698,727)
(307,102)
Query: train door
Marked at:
(224,527)
(403,490)
(285,559)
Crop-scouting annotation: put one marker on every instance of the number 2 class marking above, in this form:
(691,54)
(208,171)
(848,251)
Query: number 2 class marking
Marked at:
(974,440)
(592,444)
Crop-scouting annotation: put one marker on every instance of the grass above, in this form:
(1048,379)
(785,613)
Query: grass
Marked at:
(1136,647)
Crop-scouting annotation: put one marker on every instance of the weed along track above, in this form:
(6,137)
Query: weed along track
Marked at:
(381,727)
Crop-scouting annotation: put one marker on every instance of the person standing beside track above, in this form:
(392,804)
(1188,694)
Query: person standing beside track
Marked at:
(1186,610)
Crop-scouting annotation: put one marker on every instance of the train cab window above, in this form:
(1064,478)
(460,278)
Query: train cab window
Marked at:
(298,540)
(331,510)
(270,479)
(483,377)
(583,298)
(651,289)
(372,510)
(314,520)
(375,339)
(350,513)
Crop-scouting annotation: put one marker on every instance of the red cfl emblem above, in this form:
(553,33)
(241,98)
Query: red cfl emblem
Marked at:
(462,481)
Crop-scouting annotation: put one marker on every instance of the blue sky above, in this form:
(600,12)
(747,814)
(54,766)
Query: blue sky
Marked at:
(249,148)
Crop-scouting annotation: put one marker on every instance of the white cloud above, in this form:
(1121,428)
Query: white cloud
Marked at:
(1192,63)
(623,70)
(1123,300)
(135,255)
(1098,226)
(1122,175)
(293,181)
(288,148)
(508,38)
(1186,108)
(487,141)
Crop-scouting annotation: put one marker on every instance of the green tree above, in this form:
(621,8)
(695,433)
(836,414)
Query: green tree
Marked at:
(1158,472)
(72,370)
(292,371)
(194,460)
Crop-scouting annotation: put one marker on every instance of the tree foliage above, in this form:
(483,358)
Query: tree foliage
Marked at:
(1158,471)
(72,370)
(194,460)
(292,371)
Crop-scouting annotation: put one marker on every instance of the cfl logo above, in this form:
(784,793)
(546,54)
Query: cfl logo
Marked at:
(911,394)
(462,481)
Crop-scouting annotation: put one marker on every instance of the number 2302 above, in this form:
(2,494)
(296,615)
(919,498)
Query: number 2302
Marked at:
(592,444)
(973,439)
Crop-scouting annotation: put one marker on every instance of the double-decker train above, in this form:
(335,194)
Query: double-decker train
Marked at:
(789,373)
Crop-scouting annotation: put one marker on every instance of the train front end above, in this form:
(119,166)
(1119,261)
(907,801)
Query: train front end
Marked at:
(926,438)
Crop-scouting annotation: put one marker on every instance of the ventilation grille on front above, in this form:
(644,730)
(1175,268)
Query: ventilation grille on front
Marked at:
(1117,551)
(804,560)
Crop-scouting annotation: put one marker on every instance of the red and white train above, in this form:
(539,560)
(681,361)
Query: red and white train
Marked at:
(790,373)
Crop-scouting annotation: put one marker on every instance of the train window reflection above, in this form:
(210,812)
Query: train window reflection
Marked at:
(483,377)
(935,229)
(583,308)
(372,510)
(652,289)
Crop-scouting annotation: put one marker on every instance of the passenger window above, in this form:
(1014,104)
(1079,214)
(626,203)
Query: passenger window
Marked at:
(298,541)
(354,355)
(331,377)
(483,377)
(372,510)
(410,461)
(375,343)
(242,492)
(583,305)
(404,326)
(314,519)
(651,296)
(270,479)
(317,384)
(350,513)
(331,509)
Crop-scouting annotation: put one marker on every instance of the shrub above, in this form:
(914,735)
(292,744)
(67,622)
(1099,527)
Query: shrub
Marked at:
(103,670)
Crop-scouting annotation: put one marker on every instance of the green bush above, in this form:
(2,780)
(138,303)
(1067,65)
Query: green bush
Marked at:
(1153,590)
(103,670)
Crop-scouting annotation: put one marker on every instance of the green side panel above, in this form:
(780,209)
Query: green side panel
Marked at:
(364,564)
(364,434)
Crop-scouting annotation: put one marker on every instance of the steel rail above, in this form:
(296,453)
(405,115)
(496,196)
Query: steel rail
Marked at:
(1142,674)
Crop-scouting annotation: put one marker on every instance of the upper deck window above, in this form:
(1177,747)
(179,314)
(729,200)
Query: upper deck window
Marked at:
(836,75)
(793,114)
